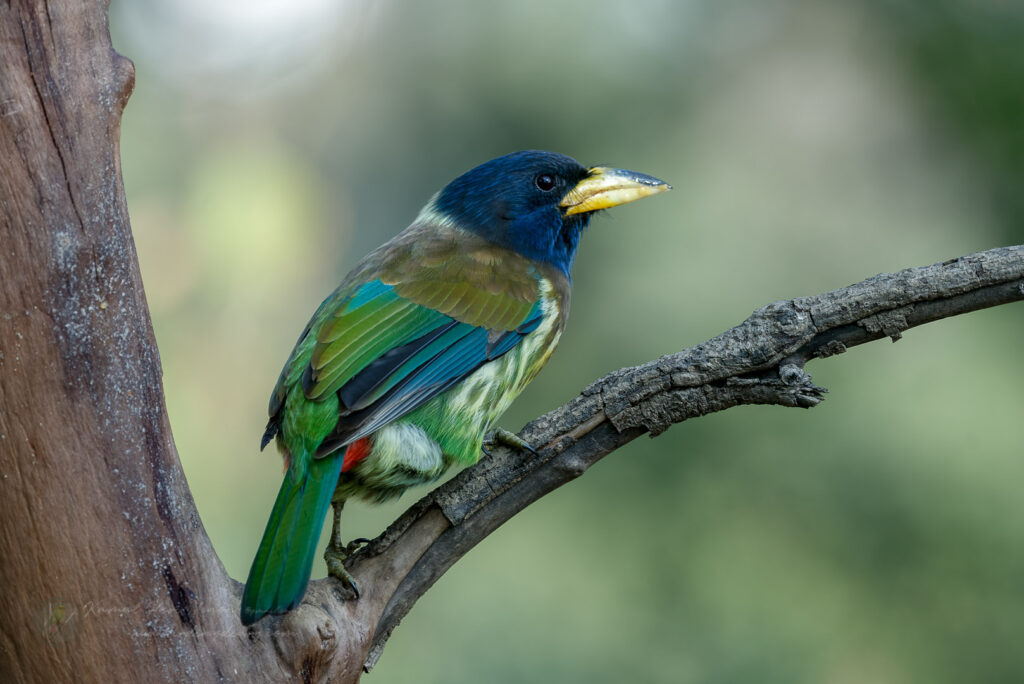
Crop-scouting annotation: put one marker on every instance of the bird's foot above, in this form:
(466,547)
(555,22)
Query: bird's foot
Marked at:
(502,437)
(335,556)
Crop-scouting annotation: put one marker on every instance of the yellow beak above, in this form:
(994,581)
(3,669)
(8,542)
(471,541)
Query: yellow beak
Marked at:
(605,187)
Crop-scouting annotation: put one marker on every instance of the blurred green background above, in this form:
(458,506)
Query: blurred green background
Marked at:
(877,538)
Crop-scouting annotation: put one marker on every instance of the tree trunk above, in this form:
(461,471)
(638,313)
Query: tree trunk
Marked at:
(105,558)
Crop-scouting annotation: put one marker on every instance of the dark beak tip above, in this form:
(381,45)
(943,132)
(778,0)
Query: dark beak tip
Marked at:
(644,179)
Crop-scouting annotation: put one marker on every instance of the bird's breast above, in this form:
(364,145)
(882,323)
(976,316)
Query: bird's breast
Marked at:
(487,393)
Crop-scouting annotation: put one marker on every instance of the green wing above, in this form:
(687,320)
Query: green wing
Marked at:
(432,316)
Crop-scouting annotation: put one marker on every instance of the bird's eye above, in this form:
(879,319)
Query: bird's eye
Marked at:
(545,182)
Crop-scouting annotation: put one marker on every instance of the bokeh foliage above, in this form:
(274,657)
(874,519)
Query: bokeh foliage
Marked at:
(879,537)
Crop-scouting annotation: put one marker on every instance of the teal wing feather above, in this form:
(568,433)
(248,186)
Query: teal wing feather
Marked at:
(413,320)
(417,354)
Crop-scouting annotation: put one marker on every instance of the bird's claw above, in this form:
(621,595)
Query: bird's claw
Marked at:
(335,556)
(502,437)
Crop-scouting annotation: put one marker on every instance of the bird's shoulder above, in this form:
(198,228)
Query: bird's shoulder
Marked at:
(460,274)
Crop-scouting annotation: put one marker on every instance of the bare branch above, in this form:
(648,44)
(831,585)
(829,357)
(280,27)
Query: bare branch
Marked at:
(759,361)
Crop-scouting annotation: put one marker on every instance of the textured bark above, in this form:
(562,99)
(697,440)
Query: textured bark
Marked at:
(108,572)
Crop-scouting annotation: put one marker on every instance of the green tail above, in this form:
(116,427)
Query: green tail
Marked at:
(280,571)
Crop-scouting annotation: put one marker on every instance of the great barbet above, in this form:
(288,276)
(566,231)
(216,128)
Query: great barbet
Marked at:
(407,365)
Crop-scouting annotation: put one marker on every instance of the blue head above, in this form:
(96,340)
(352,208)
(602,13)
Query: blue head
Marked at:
(538,203)
(514,201)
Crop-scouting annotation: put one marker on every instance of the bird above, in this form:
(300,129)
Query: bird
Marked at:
(405,367)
